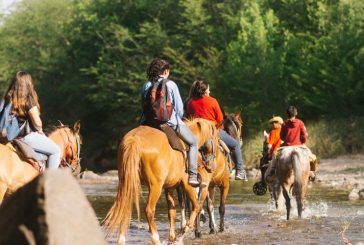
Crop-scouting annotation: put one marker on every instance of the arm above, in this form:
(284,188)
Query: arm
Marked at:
(218,113)
(177,100)
(283,133)
(303,133)
(35,118)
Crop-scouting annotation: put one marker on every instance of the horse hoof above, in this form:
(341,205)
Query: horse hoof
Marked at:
(186,229)
(213,231)
(172,238)
(222,229)
(198,234)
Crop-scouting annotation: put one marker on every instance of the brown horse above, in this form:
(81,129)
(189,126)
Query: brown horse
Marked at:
(14,172)
(292,165)
(145,157)
(220,177)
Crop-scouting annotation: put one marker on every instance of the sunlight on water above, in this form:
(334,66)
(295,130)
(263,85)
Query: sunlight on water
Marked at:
(315,210)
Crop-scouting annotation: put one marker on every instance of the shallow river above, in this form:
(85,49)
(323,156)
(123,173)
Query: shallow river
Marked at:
(328,218)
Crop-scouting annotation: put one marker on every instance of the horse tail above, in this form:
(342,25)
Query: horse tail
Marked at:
(129,156)
(297,170)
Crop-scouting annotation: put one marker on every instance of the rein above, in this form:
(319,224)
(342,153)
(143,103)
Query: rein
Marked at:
(74,160)
(204,148)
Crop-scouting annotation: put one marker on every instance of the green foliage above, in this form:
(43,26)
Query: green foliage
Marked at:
(89,57)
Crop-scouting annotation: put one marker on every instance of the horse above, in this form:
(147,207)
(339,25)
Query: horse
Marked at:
(220,177)
(15,172)
(292,165)
(145,157)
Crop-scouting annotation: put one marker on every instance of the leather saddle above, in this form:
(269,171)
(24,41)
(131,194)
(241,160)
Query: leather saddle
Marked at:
(27,153)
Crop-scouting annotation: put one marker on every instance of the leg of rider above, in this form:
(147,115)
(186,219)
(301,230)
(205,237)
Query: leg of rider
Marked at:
(43,144)
(234,145)
(187,136)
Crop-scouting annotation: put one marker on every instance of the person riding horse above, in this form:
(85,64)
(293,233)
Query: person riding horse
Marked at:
(24,99)
(201,104)
(294,133)
(157,71)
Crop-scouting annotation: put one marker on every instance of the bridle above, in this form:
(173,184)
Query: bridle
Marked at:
(75,162)
(203,149)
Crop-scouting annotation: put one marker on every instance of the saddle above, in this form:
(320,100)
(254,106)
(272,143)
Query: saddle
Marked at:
(177,144)
(27,153)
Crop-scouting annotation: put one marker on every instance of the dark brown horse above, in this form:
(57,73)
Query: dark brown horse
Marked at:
(145,157)
(15,172)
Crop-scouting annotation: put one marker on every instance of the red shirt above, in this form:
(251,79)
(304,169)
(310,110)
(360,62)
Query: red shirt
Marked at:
(205,107)
(294,132)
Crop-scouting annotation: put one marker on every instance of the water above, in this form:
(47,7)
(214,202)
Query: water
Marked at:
(328,218)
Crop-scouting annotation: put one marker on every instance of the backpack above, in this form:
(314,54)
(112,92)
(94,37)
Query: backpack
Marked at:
(9,126)
(158,105)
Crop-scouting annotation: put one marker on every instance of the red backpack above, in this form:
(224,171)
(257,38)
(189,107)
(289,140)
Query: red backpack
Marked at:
(158,105)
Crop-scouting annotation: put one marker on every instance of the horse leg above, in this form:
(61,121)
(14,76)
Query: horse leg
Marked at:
(210,210)
(223,195)
(191,192)
(202,197)
(154,194)
(288,200)
(171,214)
(182,203)
(3,189)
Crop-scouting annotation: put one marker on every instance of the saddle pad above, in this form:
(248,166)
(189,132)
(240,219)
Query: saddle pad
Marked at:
(26,151)
(173,139)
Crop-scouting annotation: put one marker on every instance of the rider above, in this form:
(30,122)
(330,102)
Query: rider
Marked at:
(201,104)
(157,70)
(293,131)
(274,139)
(24,99)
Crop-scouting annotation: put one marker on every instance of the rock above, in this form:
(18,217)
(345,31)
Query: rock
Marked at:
(253,173)
(91,177)
(361,194)
(354,194)
(51,209)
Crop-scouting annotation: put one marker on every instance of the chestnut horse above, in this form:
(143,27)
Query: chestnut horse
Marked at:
(220,177)
(15,172)
(292,165)
(145,157)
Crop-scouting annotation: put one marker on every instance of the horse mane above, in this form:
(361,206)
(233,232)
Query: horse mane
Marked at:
(49,130)
(204,125)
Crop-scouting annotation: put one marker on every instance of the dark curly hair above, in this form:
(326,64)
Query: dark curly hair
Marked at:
(198,89)
(156,68)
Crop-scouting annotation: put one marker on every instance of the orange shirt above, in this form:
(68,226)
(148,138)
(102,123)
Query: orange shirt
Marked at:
(205,107)
(274,139)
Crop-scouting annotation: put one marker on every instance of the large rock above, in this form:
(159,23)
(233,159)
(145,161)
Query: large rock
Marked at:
(51,209)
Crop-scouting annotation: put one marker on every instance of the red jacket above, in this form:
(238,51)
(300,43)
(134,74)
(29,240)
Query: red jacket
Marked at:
(205,107)
(294,132)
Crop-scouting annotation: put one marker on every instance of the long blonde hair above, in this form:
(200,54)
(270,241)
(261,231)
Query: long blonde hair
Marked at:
(20,91)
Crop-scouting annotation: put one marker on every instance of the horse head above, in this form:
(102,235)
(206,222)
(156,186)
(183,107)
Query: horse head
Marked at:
(69,140)
(233,124)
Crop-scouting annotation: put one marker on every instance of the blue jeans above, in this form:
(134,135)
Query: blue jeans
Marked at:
(234,146)
(187,136)
(44,145)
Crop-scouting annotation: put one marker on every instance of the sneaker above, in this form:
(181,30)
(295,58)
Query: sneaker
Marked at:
(241,175)
(192,180)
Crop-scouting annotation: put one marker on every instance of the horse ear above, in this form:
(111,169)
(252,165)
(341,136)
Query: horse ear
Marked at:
(77,127)
(60,123)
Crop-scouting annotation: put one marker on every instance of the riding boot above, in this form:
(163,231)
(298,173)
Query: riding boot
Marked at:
(192,178)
